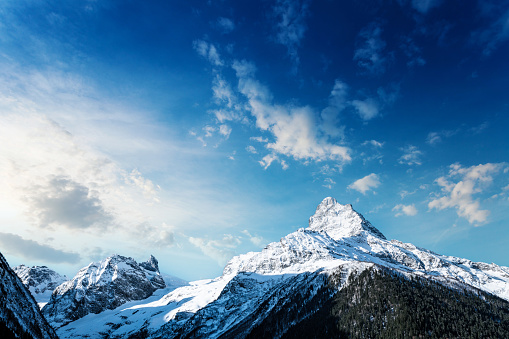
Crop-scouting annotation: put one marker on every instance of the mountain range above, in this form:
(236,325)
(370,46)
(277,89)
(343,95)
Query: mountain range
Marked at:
(322,278)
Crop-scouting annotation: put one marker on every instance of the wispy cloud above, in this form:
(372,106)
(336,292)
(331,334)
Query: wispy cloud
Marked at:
(412,52)
(366,184)
(225,25)
(371,106)
(435,138)
(411,156)
(220,250)
(367,109)
(337,103)
(295,129)
(256,240)
(374,143)
(225,131)
(208,51)
(328,183)
(496,30)
(408,210)
(32,250)
(290,26)
(424,6)
(66,179)
(459,187)
(370,52)
(251,149)
(269,159)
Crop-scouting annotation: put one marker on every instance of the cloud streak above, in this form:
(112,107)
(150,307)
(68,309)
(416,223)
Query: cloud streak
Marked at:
(220,250)
(32,250)
(411,156)
(370,54)
(208,51)
(290,26)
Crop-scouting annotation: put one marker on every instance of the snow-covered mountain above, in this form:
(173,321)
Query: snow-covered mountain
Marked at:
(40,281)
(19,314)
(286,276)
(101,286)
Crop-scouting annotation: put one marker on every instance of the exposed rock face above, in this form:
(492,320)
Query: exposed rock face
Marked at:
(40,281)
(286,282)
(151,267)
(101,286)
(19,314)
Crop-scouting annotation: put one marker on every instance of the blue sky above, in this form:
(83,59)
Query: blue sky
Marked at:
(197,130)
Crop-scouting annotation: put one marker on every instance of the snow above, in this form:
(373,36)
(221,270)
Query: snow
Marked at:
(338,239)
(40,281)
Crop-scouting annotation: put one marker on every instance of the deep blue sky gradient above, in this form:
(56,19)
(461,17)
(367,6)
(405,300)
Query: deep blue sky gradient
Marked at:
(126,81)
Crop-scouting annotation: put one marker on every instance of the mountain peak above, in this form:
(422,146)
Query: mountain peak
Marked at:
(151,264)
(340,221)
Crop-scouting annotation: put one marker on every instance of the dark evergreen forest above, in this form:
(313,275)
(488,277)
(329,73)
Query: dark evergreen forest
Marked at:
(382,304)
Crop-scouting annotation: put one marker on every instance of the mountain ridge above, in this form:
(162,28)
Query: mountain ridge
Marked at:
(103,285)
(19,313)
(339,242)
(41,281)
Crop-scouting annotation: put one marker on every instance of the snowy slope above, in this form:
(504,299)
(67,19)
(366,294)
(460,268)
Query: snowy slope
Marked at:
(101,286)
(338,242)
(19,313)
(40,281)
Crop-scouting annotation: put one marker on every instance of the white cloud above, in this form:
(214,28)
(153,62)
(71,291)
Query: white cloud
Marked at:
(225,25)
(411,156)
(259,139)
(366,184)
(209,131)
(63,201)
(374,143)
(435,138)
(146,185)
(220,250)
(256,240)
(251,149)
(222,91)
(370,106)
(328,183)
(330,115)
(267,160)
(408,210)
(244,68)
(208,51)
(296,129)
(32,250)
(225,130)
(291,26)
(284,165)
(65,158)
(223,115)
(459,193)
(370,52)
(367,109)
